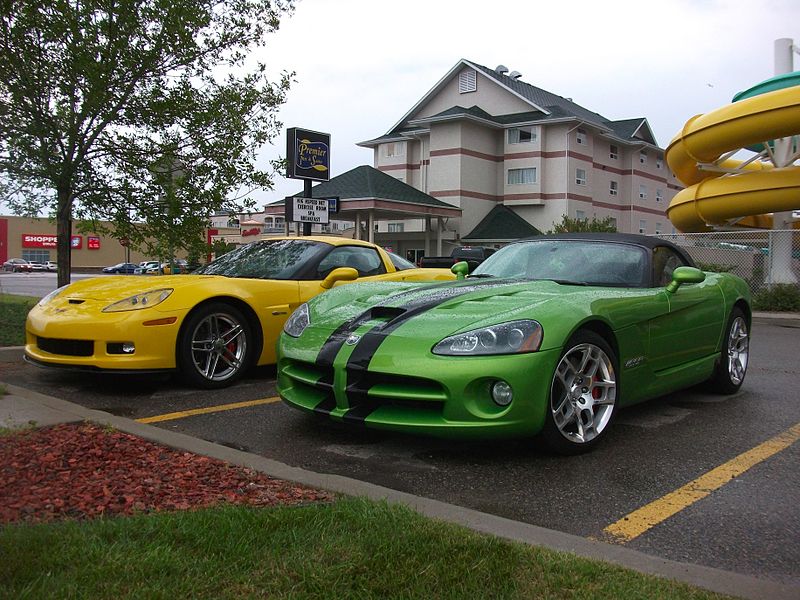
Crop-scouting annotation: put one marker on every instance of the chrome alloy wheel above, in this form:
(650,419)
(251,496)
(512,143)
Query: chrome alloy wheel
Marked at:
(219,346)
(738,350)
(583,393)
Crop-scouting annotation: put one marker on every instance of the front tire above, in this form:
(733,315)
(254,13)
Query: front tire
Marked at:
(215,346)
(583,395)
(734,356)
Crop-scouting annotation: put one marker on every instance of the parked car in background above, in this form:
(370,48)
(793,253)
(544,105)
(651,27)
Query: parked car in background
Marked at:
(474,255)
(51,266)
(145,266)
(16,265)
(121,269)
(36,266)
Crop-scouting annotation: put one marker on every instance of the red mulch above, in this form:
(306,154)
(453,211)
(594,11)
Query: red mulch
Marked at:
(80,471)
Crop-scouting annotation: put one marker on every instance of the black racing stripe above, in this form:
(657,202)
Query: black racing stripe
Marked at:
(326,406)
(359,414)
(334,343)
(371,341)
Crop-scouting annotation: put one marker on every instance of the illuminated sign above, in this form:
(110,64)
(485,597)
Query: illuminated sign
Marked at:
(308,154)
(38,240)
(93,243)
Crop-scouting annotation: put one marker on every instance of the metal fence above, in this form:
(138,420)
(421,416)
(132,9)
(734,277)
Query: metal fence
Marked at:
(760,257)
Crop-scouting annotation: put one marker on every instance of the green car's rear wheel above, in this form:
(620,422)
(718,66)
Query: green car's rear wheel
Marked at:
(732,364)
(214,347)
(583,394)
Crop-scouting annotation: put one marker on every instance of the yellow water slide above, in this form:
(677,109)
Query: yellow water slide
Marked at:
(722,190)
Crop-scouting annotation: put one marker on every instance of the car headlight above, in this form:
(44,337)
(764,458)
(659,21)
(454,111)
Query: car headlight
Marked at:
(514,337)
(140,301)
(298,321)
(52,295)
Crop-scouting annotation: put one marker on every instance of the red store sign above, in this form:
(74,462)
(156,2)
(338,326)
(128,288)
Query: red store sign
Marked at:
(38,240)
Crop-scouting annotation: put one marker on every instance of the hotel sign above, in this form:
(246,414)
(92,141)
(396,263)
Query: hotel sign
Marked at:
(308,154)
(307,210)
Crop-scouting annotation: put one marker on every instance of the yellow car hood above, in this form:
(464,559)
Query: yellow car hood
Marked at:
(118,287)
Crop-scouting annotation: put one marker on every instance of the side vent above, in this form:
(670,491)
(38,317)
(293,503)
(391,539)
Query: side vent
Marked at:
(467,81)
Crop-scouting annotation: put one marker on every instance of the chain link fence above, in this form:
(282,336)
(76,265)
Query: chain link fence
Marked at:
(760,257)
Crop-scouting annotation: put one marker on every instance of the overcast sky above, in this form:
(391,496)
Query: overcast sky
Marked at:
(362,64)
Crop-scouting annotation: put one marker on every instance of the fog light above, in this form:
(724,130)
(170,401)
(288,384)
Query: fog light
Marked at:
(121,348)
(128,348)
(502,393)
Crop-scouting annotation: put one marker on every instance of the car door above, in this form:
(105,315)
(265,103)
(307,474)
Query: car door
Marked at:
(690,328)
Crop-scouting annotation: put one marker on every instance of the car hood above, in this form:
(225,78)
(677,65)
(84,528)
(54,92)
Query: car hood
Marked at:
(440,309)
(117,287)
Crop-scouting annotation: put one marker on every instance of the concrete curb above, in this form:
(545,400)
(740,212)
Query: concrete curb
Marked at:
(715,580)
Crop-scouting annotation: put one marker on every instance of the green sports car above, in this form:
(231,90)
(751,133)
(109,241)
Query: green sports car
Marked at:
(550,336)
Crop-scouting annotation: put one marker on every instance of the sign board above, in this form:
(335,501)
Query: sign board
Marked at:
(308,154)
(307,210)
(40,240)
(93,243)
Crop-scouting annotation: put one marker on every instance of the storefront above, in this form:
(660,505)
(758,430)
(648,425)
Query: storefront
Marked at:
(35,240)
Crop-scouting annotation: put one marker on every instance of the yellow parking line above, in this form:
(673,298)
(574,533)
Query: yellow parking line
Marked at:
(642,519)
(206,410)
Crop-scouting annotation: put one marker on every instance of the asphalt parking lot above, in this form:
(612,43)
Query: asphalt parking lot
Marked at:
(690,477)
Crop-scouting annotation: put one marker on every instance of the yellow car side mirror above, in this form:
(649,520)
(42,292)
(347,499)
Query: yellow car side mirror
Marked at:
(340,274)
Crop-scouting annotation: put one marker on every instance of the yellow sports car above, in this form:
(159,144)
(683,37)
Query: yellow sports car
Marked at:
(210,325)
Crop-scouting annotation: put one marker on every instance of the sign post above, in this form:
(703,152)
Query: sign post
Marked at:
(308,158)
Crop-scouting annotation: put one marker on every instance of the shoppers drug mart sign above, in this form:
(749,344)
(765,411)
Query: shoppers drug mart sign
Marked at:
(38,240)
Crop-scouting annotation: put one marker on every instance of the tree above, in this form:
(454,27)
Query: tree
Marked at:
(568,225)
(145,113)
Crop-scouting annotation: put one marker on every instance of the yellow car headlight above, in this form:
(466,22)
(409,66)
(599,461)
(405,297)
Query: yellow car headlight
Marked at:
(140,301)
(52,295)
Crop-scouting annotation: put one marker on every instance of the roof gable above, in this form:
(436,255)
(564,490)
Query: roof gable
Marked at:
(501,225)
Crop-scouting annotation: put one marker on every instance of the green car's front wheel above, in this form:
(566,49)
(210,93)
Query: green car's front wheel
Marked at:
(583,395)
(214,347)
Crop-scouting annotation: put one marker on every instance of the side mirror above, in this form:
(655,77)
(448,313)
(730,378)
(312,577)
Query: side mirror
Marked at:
(683,275)
(339,274)
(460,269)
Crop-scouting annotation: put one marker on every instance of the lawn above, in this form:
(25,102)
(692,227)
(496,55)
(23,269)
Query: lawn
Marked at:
(13,310)
(352,548)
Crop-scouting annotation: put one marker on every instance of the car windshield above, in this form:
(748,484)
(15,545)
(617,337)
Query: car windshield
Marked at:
(400,263)
(266,259)
(579,262)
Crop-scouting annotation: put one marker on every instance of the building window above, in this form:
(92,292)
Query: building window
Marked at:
(580,136)
(659,195)
(521,135)
(580,176)
(521,176)
(658,228)
(395,227)
(642,226)
(659,162)
(613,152)
(643,157)
(613,222)
(40,256)
(580,215)
(394,149)
(613,188)
(643,192)
(467,81)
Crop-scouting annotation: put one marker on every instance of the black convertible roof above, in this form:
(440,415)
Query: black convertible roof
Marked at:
(645,241)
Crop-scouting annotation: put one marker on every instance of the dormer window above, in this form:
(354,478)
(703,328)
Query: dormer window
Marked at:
(467,81)
(521,135)
(581,136)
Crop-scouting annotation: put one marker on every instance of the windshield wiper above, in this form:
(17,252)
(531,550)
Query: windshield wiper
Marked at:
(480,276)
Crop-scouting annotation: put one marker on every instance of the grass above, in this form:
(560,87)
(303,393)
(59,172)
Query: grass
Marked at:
(13,311)
(353,548)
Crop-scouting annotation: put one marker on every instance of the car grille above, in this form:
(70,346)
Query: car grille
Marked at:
(66,347)
(366,391)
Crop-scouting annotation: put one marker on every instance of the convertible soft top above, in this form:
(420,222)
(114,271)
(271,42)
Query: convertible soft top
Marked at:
(644,241)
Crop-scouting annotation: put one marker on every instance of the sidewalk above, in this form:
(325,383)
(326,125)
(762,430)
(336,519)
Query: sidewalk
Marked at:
(25,408)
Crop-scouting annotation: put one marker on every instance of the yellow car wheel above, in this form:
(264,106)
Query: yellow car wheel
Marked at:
(215,346)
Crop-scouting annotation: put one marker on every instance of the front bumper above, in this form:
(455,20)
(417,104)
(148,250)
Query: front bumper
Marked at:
(426,394)
(91,340)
